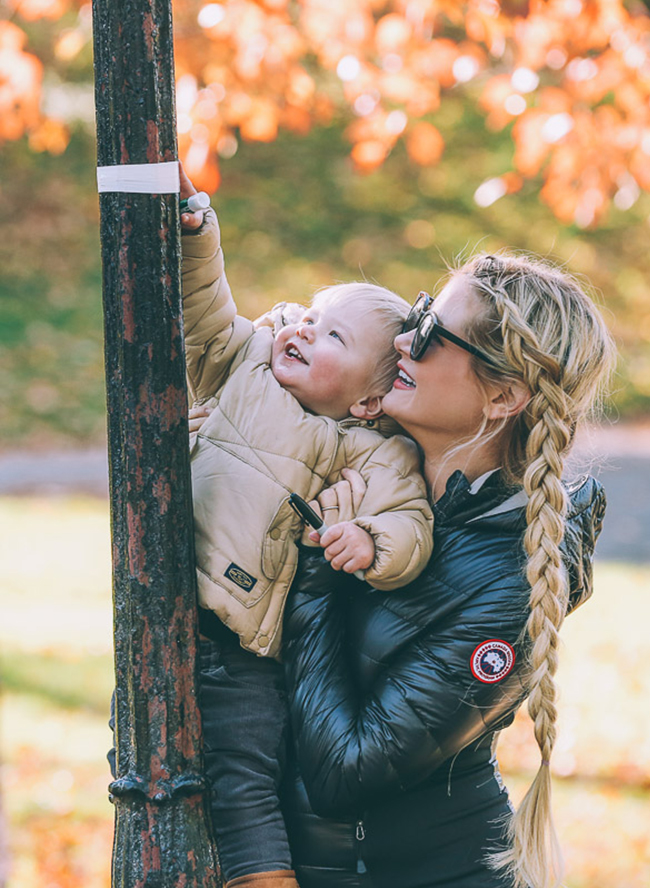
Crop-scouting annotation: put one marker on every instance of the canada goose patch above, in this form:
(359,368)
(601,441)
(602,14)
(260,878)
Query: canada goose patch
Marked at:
(492,660)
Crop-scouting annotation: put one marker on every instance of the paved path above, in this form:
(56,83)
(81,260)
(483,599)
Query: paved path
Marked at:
(619,455)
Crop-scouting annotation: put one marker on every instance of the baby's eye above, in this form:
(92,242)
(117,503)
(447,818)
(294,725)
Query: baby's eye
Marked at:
(336,335)
(307,321)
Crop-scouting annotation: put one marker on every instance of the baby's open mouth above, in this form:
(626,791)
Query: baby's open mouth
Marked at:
(292,352)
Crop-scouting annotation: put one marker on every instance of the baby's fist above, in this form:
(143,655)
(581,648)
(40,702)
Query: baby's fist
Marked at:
(348,547)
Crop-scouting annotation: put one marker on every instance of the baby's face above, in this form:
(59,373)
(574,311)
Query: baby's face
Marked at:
(327,361)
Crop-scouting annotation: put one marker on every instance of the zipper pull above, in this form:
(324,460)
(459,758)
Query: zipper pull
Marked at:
(360,835)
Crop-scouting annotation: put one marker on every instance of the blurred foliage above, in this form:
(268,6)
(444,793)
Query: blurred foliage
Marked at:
(58,676)
(573,77)
(295,216)
(51,361)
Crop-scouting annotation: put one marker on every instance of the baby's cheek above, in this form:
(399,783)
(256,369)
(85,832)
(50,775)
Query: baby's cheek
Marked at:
(332,368)
(279,344)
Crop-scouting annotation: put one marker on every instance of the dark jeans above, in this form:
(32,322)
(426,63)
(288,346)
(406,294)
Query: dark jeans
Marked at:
(245,718)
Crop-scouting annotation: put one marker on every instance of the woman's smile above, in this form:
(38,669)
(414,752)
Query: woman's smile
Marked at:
(444,397)
(404,381)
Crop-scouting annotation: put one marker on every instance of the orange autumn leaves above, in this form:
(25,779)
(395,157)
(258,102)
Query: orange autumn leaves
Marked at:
(585,129)
(22,73)
(571,77)
(294,65)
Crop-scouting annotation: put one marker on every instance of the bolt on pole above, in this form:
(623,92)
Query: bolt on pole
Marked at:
(162,833)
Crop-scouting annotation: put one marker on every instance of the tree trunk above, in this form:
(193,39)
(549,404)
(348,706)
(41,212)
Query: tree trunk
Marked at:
(162,835)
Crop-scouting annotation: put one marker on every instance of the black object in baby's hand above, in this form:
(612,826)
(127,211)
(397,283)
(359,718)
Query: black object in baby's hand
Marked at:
(307,514)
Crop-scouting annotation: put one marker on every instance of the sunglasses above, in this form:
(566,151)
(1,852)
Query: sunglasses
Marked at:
(428,329)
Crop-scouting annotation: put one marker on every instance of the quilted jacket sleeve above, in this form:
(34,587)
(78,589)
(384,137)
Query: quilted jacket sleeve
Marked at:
(214,332)
(396,513)
(356,747)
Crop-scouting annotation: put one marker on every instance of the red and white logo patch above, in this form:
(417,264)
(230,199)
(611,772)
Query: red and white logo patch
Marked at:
(492,660)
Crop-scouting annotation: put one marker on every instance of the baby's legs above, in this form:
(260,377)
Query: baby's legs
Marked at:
(244,713)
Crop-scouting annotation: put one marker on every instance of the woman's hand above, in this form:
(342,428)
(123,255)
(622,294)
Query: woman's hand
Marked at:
(197,416)
(337,503)
(189,221)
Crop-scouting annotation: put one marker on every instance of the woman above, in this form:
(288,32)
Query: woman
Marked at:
(397,698)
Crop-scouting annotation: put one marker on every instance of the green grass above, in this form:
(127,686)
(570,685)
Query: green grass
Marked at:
(57,672)
(83,683)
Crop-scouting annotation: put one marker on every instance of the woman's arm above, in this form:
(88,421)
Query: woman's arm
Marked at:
(425,706)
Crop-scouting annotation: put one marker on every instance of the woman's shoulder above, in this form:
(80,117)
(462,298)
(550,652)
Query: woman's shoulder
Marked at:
(585,515)
(587,499)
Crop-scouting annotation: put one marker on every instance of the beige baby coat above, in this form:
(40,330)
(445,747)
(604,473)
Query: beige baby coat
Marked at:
(257,446)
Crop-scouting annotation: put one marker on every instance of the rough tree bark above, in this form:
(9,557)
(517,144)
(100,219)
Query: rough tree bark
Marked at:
(162,837)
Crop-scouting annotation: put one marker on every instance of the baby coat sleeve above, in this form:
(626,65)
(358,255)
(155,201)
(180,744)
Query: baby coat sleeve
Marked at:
(395,511)
(214,332)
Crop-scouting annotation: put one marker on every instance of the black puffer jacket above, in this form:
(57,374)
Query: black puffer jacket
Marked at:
(396,697)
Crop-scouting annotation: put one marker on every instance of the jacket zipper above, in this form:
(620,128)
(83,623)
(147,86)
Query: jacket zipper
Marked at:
(359,835)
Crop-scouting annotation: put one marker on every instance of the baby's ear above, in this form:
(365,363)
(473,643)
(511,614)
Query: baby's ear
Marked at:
(367,408)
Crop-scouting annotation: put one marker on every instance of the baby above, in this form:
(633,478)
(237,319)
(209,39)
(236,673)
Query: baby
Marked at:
(294,401)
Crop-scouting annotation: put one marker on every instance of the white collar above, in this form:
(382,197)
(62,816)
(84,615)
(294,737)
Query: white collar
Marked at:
(476,485)
(517,501)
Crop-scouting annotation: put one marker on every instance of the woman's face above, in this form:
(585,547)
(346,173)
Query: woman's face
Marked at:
(439,395)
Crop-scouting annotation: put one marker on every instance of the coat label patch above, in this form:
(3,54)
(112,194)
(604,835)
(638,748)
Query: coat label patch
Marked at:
(239,577)
(492,660)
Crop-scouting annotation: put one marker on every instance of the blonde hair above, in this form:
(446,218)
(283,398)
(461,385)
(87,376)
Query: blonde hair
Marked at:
(539,328)
(391,311)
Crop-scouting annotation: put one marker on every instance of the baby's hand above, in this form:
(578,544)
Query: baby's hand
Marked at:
(197,415)
(348,547)
(189,221)
(280,315)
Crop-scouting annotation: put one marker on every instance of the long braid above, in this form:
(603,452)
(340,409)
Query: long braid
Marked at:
(541,437)
(536,848)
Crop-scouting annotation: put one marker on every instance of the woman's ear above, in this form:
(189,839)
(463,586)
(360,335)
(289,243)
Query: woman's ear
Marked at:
(367,408)
(506,402)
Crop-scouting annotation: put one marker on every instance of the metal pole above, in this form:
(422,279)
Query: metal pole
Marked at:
(162,835)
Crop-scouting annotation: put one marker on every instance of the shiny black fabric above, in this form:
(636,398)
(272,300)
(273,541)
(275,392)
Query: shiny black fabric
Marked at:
(394,780)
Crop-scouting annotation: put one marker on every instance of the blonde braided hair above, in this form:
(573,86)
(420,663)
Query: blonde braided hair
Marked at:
(540,329)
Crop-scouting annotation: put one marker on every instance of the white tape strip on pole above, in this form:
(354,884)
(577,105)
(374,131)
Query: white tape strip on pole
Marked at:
(140,178)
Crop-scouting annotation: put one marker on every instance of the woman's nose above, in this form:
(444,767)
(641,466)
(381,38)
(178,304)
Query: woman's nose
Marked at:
(402,342)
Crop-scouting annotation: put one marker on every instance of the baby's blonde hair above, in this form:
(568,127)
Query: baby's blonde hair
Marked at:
(540,329)
(390,309)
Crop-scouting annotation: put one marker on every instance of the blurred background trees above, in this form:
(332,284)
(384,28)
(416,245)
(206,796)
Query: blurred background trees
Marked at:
(345,138)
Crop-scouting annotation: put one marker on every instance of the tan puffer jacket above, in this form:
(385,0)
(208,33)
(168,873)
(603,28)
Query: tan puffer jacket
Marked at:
(257,446)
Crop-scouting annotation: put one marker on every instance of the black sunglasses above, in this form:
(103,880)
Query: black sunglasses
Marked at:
(428,329)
